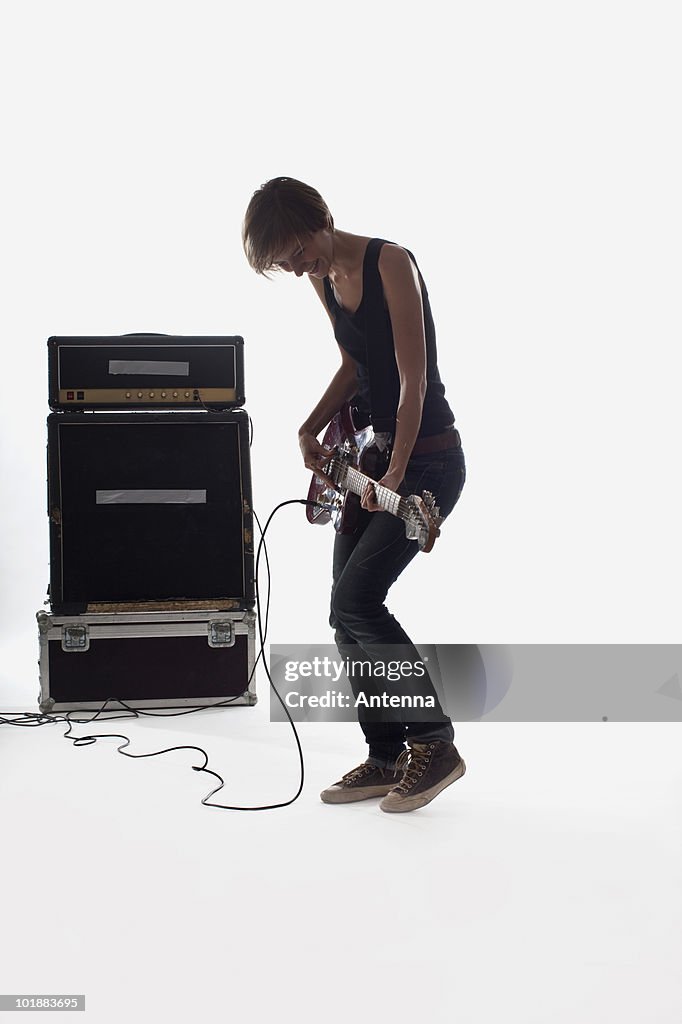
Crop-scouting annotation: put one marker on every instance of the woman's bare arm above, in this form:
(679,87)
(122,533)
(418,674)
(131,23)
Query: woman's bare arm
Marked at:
(404,299)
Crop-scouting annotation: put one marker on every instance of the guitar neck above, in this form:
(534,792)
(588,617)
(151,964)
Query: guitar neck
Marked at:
(351,479)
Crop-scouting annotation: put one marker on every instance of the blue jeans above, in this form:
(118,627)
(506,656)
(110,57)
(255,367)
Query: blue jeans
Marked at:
(366,563)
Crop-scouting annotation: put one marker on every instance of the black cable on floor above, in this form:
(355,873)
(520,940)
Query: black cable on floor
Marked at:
(27,719)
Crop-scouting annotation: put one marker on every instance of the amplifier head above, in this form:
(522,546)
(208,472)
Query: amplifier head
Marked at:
(145,371)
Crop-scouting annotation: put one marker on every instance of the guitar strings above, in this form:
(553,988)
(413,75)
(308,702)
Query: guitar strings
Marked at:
(347,473)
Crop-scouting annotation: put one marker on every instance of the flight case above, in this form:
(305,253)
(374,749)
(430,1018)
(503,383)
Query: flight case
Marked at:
(146,660)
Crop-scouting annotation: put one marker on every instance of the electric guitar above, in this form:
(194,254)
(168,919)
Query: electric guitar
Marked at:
(354,460)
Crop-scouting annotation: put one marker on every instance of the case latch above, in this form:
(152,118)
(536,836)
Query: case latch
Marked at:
(221,633)
(75,638)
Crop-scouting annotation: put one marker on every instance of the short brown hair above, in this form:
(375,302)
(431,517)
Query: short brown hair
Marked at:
(280,213)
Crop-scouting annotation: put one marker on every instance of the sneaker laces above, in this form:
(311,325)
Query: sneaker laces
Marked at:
(413,763)
(358,773)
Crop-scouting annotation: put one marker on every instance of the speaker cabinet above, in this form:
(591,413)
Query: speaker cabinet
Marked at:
(149,509)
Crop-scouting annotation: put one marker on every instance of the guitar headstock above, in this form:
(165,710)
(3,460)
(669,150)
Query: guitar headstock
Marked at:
(424,521)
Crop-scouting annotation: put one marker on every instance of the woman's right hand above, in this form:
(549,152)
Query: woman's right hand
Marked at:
(315,457)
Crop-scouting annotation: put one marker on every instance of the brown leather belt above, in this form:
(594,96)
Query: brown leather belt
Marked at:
(438,442)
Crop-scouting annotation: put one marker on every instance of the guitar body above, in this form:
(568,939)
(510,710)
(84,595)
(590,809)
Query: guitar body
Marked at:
(361,453)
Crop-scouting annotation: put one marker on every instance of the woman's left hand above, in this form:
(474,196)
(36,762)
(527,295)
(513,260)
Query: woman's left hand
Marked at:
(391,480)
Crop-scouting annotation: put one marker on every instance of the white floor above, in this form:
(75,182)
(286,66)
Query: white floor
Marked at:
(545,886)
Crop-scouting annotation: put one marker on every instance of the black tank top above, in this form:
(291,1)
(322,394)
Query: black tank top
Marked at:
(355,331)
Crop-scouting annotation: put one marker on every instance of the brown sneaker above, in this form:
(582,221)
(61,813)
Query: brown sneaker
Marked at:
(428,769)
(362,783)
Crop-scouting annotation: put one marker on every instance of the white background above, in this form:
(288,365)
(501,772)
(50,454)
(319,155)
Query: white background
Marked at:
(528,154)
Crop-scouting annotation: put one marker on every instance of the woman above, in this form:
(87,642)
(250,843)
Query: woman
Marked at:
(378,305)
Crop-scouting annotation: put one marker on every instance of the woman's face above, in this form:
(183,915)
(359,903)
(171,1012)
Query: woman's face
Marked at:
(310,255)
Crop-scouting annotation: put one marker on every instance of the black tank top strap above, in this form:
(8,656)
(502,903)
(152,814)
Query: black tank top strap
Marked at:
(384,382)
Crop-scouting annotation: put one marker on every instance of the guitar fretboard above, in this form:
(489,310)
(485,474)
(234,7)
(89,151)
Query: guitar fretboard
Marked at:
(352,479)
